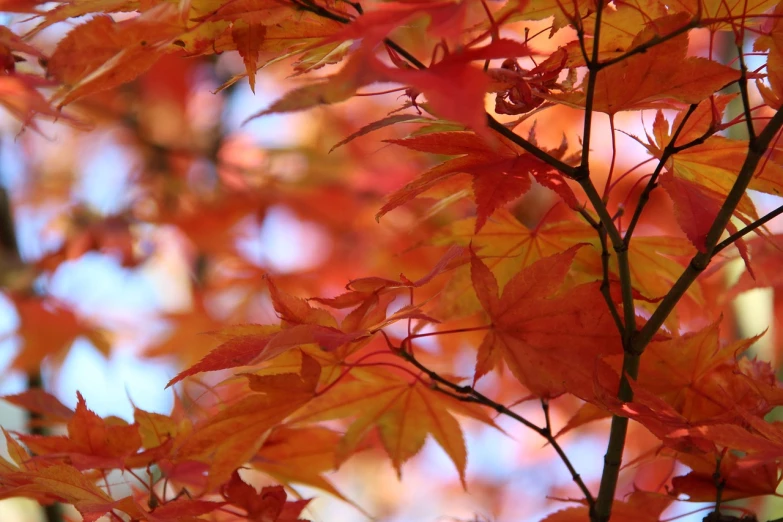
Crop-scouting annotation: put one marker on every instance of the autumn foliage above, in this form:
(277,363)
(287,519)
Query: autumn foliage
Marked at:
(528,214)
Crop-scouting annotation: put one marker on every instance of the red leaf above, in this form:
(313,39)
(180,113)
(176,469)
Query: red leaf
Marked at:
(490,165)
(267,506)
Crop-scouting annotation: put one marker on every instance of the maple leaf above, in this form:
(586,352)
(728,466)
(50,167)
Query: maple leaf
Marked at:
(300,455)
(500,173)
(686,372)
(454,88)
(92,442)
(84,230)
(721,15)
(61,483)
(446,20)
(41,402)
(101,53)
(664,72)
(542,9)
(765,254)
(506,245)
(333,89)
(248,38)
(658,261)
(699,178)
(242,348)
(20,457)
(20,96)
(695,207)
(533,329)
(179,510)
(303,324)
(230,438)
(772,41)
(619,28)
(77,8)
(11,43)
(715,163)
(63,328)
(404,412)
(702,122)
(268,505)
(741,481)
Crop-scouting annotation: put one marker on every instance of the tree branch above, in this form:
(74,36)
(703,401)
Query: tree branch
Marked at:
(747,230)
(743,85)
(470,394)
(654,41)
(592,68)
(668,152)
(512,136)
(756,149)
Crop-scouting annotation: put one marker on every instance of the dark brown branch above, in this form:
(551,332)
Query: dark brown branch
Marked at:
(592,68)
(668,152)
(470,394)
(756,149)
(743,85)
(652,42)
(747,230)
(565,169)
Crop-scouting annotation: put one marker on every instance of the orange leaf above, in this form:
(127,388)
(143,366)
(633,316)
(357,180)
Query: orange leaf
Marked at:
(63,327)
(663,72)
(248,38)
(404,412)
(38,401)
(300,455)
(66,484)
(92,443)
(535,330)
(241,350)
(182,509)
(231,438)
(640,506)
(101,53)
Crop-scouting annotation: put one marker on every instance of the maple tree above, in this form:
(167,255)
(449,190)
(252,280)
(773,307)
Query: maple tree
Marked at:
(559,190)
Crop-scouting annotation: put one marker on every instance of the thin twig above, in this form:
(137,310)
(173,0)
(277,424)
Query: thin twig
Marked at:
(539,153)
(668,152)
(756,150)
(592,68)
(747,230)
(652,42)
(743,85)
(470,394)
(564,168)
